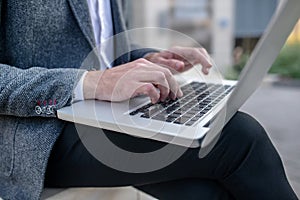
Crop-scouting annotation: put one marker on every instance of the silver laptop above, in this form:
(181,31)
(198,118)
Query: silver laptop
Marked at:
(198,117)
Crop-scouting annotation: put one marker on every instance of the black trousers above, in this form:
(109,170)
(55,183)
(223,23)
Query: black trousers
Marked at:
(243,165)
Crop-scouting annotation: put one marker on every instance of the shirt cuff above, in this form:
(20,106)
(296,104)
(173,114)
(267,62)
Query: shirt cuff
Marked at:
(78,90)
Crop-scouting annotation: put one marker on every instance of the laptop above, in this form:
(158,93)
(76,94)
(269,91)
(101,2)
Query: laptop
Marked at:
(196,119)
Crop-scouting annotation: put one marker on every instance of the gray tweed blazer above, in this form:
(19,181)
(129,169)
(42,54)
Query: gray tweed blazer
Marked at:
(42,45)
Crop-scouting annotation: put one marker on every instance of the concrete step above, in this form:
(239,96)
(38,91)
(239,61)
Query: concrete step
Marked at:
(118,193)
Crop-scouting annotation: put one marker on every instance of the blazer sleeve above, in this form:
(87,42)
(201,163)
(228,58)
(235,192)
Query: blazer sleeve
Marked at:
(36,91)
(139,51)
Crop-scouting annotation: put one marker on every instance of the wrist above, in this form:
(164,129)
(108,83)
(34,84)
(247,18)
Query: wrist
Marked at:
(78,90)
(91,84)
(150,55)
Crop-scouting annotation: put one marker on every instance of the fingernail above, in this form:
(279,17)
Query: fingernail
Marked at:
(205,70)
(177,66)
(180,93)
(172,96)
(153,101)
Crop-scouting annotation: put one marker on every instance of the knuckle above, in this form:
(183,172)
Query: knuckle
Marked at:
(195,52)
(139,64)
(159,59)
(161,77)
(175,88)
(168,73)
(142,61)
(202,50)
(148,87)
(164,91)
(175,47)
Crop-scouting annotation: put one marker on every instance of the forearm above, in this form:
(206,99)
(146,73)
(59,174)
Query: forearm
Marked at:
(22,90)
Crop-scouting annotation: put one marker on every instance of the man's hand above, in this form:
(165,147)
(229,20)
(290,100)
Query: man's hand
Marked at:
(139,77)
(180,59)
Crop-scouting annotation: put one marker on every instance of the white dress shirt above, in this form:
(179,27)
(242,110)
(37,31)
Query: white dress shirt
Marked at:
(101,17)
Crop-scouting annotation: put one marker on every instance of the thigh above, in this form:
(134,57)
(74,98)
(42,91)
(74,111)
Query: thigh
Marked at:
(71,164)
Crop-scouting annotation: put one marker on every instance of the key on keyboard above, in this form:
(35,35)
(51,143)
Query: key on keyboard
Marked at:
(198,99)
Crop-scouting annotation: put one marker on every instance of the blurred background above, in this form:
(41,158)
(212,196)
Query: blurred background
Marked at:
(229,30)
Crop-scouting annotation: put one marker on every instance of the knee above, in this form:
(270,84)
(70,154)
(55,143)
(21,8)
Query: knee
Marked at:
(243,128)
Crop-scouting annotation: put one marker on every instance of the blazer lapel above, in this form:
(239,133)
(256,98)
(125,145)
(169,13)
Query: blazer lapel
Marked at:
(121,43)
(81,12)
(117,16)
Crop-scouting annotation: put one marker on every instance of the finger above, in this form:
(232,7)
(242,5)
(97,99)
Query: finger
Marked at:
(158,79)
(164,92)
(171,85)
(206,68)
(147,89)
(166,54)
(164,59)
(174,86)
(173,64)
(201,58)
(167,84)
(175,58)
(193,56)
(207,56)
(204,52)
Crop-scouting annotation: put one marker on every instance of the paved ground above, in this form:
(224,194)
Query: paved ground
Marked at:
(278,109)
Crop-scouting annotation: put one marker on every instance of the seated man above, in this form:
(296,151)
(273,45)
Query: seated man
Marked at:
(42,46)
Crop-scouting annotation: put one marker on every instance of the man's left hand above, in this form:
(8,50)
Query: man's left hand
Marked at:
(181,59)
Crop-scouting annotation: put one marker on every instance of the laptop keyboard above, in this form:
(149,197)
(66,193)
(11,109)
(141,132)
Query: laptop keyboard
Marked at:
(198,99)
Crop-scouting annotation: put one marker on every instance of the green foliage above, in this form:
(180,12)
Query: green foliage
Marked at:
(231,74)
(287,63)
(243,60)
(234,71)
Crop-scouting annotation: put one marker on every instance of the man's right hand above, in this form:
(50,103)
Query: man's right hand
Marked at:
(139,77)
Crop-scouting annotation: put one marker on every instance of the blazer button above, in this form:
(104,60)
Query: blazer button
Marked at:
(49,110)
(38,110)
